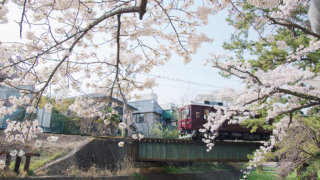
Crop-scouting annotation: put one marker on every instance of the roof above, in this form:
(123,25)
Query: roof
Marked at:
(146,106)
(100,95)
(198,104)
(6,92)
(167,114)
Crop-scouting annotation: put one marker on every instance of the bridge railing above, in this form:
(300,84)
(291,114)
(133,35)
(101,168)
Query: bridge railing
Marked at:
(194,151)
(18,161)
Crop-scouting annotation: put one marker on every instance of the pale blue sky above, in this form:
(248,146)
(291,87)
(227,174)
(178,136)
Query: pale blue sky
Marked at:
(174,91)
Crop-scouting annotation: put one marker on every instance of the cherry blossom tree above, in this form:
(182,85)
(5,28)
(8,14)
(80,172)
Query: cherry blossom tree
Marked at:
(279,65)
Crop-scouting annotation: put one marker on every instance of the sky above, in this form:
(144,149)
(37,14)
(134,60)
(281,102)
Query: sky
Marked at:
(178,82)
(173,83)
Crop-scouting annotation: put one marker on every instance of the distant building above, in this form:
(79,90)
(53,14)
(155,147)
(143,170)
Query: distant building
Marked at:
(147,114)
(117,105)
(42,116)
(169,115)
(99,97)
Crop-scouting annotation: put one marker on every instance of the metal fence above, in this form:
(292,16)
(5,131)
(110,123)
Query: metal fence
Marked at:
(50,121)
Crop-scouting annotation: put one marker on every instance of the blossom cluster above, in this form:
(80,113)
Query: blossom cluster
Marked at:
(134,136)
(2,164)
(265,4)
(15,103)
(286,8)
(3,11)
(21,135)
(138,136)
(22,131)
(106,117)
(87,107)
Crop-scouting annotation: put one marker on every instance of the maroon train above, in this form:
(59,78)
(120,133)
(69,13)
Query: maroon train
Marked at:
(193,116)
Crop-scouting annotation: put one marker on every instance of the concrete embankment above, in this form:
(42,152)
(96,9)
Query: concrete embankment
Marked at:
(101,153)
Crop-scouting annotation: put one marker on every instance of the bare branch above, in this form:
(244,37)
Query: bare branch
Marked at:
(143,6)
(89,27)
(118,54)
(301,95)
(172,25)
(292,25)
(22,16)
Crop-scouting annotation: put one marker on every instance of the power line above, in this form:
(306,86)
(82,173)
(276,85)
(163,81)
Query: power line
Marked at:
(192,89)
(180,80)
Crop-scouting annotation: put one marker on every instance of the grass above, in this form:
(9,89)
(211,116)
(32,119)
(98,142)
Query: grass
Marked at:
(42,161)
(203,166)
(270,174)
(37,162)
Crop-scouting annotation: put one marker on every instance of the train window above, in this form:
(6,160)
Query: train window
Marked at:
(183,114)
(197,114)
(187,113)
(206,114)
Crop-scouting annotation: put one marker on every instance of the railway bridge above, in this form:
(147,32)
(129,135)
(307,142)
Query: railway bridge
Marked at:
(191,151)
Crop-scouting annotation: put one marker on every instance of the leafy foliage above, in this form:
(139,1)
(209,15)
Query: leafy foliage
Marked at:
(60,122)
(159,131)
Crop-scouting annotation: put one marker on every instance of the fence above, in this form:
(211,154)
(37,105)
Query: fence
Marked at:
(50,121)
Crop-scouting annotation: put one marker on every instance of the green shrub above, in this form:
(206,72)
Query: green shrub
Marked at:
(159,131)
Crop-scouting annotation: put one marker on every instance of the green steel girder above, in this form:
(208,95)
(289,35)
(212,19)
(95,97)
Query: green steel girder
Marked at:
(193,152)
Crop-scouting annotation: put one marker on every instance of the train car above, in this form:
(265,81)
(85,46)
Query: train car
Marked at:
(193,116)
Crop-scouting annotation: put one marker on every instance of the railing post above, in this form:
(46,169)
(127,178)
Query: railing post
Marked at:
(17,164)
(27,163)
(8,161)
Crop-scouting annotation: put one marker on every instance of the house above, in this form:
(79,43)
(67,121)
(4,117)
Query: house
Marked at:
(117,105)
(147,114)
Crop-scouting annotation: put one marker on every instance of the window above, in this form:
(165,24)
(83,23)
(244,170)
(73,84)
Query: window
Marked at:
(139,118)
(206,114)
(197,114)
(187,113)
(184,115)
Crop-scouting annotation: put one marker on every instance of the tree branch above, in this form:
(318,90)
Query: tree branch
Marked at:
(90,26)
(143,6)
(118,54)
(22,16)
(292,25)
(301,95)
